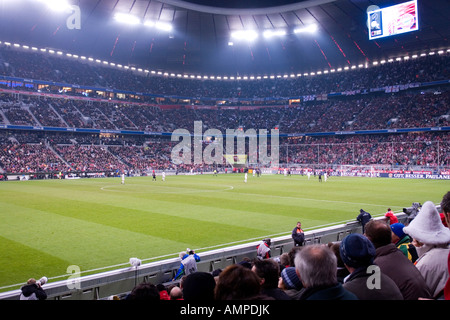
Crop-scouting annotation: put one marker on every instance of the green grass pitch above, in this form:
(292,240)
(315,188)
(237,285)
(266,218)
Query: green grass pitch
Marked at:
(98,224)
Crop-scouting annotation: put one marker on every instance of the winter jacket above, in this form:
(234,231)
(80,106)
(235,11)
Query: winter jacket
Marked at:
(360,280)
(336,292)
(298,236)
(188,265)
(432,264)
(32,292)
(395,265)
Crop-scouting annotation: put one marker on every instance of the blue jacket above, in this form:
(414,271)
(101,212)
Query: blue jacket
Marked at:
(186,267)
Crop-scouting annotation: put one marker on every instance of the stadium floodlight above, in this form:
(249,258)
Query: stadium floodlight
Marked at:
(57,5)
(308,29)
(274,33)
(149,23)
(126,18)
(248,35)
(160,25)
(164,26)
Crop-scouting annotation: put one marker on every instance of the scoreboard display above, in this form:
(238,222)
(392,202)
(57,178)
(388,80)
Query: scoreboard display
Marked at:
(393,20)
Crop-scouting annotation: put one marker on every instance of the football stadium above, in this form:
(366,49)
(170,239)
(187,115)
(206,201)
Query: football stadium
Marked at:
(169,149)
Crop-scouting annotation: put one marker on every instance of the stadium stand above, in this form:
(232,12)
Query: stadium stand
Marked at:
(132,129)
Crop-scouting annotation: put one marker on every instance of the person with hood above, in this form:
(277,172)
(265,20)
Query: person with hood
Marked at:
(432,240)
(33,290)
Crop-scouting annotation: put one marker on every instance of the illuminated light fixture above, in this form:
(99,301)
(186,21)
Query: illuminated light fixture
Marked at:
(160,25)
(274,33)
(57,5)
(248,35)
(309,29)
(126,18)
(230,43)
(164,26)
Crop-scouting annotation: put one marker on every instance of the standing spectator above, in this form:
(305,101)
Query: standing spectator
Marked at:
(269,273)
(33,290)
(358,253)
(298,235)
(390,216)
(363,218)
(403,242)
(316,266)
(394,264)
(188,263)
(432,239)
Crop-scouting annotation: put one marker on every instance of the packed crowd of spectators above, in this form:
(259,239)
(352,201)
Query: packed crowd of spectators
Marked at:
(413,149)
(27,151)
(414,108)
(387,111)
(32,65)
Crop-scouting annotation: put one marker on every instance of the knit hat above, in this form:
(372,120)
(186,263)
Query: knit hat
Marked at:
(291,279)
(199,286)
(397,229)
(357,251)
(427,226)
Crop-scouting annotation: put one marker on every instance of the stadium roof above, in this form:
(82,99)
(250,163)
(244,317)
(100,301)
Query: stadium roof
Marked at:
(200,42)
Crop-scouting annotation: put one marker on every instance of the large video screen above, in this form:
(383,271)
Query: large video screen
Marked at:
(393,20)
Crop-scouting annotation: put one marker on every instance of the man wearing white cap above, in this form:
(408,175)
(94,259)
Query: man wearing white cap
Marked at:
(432,240)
